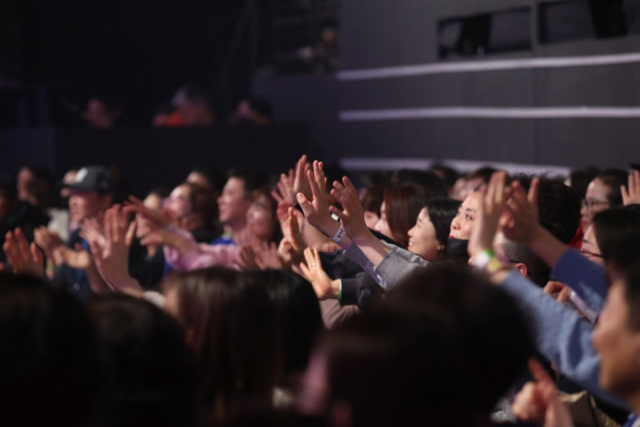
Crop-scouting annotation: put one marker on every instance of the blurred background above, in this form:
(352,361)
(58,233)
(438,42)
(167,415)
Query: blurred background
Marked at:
(371,85)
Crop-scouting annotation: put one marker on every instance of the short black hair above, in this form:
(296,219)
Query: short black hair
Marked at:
(617,233)
(494,334)
(427,179)
(614,179)
(148,370)
(399,366)
(441,213)
(449,174)
(581,177)
(252,180)
(484,173)
(632,293)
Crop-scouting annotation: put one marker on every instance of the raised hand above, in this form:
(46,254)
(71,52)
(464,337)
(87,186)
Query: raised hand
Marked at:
(317,210)
(538,401)
(261,256)
(301,183)
(158,219)
(285,192)
(631,196)
(24,258)
(112,258)
(47,240)
(352,214)
(323,286)
(493,199)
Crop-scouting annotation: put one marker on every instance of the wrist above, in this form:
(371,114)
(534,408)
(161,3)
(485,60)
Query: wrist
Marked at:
(537,235)
(363,239)
(336,289)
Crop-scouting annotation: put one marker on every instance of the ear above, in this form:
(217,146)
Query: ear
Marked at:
(522,269)
(341,415)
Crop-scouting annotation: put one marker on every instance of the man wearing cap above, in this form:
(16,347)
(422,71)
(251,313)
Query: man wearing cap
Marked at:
(91,195)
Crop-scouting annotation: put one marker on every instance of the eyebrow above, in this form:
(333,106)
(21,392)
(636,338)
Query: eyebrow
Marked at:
(469,210)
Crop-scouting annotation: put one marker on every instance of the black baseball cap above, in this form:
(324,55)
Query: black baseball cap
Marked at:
(92,178)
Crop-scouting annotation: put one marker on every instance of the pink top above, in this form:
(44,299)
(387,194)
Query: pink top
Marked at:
(200,255)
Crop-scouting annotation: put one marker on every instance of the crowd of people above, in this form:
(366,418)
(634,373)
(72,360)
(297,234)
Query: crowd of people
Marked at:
(423,297)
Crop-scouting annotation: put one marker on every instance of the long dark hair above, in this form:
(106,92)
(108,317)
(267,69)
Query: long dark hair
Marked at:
(233,332)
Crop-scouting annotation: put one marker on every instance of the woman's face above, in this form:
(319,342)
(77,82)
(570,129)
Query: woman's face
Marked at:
(590,248)
(371,219)
(260,219)
(595,201)
(382,226)
(462,224)
(422,237)
(179,201)
(153,201)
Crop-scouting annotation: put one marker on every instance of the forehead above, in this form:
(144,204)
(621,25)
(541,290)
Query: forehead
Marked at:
(424,213)
(472,201)
(180,191)
(234,184)
(597,188)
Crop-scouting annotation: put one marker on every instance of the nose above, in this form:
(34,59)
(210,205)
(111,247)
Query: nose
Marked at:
(454,224)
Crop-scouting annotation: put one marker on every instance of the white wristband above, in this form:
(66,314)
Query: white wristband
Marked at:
(339,235)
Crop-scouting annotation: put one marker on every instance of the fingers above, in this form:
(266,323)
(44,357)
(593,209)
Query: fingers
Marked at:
(36,254)
(315,189)
(538,372)
(131,232)
(340,214)
(22,244)
(532,196)
(626,200)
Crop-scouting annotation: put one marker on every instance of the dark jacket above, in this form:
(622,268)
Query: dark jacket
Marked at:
(24,216)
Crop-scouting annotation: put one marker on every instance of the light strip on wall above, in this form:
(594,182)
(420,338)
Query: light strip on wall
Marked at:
(475,66)
(489,113)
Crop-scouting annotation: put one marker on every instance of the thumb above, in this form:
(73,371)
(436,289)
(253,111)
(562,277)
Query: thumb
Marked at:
(304,204)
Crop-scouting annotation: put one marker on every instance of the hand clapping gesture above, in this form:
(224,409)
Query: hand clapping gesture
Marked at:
(24,258)
(112,257)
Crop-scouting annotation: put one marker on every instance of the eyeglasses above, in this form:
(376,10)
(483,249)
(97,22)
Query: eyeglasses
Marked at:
(587,253)
(592,204)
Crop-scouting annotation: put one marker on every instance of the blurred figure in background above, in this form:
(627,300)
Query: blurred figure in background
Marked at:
(101,114)
(253,110)
(193,106)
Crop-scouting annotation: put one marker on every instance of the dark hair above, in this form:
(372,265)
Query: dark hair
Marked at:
(252,180)
(299,313)
(193,93)
(403,203)
(277,418)
(8,185)
(559,213)
(483,173)
(632,296)
(147,367)
(215,178)
(234,337)
(427,179)
(581,177)
(161,192)
(372,199)
(47,355)
(448,174)
(492,330)
(558,206)
(397,366)
(441,213)
(617,232)
(614,179)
